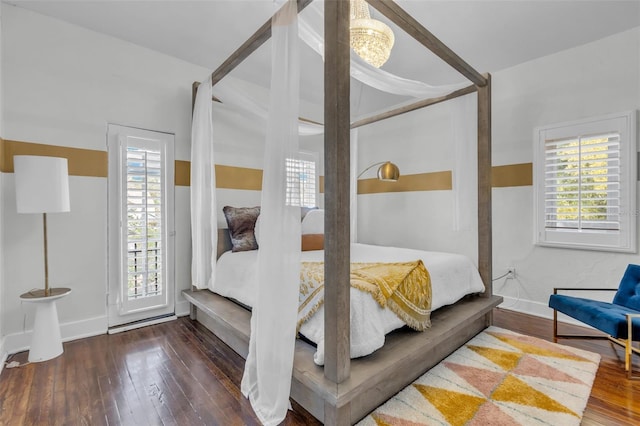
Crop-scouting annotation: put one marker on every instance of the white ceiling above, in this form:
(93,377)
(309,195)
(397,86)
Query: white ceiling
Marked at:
(490,35)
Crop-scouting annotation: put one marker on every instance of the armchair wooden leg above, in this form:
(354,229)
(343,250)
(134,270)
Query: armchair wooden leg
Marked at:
(555,326)
(628,347)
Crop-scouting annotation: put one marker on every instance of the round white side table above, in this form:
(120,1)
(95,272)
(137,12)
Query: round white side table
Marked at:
(46,342)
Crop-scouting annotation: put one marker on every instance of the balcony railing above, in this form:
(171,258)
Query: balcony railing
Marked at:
(144,272)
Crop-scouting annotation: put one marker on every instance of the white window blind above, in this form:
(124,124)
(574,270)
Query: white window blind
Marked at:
(585,183)
(582,183)
(144,226)
(302,187)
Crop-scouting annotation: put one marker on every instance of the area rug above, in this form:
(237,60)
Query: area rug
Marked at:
(498,378)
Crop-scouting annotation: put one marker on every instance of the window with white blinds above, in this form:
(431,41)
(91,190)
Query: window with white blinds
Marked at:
(302,180)
(582,182)
(144,221)
(585,183)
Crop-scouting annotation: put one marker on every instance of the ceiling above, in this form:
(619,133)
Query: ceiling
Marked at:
(490,35)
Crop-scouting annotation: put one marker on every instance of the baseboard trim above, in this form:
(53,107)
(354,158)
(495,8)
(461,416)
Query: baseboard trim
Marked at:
(525,306)
(536,309)
(140,324)
(182,308)
(74,330)
(3,354)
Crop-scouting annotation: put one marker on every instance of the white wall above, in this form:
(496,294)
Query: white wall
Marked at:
(418,142)
(2,333)
(63,84)
(590,80)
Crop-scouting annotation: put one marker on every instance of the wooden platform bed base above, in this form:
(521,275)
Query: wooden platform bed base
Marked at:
(405,356)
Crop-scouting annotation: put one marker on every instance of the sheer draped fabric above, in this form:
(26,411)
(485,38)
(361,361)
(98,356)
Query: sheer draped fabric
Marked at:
(204,234)
(267,375)
(312,33)
(231,94)
(353,186)
(465,170)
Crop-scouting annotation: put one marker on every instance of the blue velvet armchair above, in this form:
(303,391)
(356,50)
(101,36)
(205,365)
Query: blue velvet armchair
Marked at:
(620,320)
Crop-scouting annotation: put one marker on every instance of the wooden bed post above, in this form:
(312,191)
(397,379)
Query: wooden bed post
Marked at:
(484,185)
(337,360)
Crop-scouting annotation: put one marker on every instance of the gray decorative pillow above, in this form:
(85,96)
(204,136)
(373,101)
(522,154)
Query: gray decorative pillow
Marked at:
(242,222)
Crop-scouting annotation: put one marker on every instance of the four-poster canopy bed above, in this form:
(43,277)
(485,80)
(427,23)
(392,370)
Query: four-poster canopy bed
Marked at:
(346,390)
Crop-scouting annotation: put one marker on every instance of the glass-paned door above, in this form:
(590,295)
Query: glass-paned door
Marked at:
(140,224)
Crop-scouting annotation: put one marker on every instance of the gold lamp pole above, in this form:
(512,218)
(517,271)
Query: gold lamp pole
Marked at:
(46,256)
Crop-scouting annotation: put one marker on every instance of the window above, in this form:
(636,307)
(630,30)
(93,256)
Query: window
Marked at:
(141,188)
(585,184)
(302,178)
(144,219)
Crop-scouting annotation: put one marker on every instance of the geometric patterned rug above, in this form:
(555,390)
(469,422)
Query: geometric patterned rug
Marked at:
(497,378)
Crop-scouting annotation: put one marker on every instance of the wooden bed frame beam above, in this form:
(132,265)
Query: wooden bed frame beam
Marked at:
(248,47)
(408,23)
(485,242)
(414,106)
(337,113)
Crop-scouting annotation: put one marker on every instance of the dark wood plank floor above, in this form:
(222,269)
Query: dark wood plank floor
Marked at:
(178,373)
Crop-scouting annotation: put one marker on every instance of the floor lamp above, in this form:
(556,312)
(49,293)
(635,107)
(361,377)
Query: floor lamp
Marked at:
(387,172)
(42,186)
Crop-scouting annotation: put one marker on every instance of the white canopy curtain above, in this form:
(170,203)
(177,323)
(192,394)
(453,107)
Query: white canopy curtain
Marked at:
(465,191)
(204,234)
(267,374)
(312,33)
(231,94)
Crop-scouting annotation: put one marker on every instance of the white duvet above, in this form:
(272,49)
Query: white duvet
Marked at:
(452,277)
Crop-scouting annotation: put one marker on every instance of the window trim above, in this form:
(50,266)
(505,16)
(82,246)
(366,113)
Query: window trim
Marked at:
(623,240)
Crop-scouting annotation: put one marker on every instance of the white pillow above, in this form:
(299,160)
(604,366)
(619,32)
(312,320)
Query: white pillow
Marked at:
(313,222)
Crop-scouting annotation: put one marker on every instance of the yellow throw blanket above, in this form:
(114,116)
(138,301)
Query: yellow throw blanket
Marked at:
(404,287)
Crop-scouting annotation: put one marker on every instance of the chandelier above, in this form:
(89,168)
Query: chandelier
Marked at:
(371,39)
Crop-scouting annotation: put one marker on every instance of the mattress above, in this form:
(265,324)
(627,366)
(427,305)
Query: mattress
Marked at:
(452,277)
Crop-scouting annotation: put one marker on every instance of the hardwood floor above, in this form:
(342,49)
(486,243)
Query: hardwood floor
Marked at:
(178,373)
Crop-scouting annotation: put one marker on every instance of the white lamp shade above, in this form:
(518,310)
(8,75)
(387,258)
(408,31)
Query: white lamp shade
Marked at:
(42,184)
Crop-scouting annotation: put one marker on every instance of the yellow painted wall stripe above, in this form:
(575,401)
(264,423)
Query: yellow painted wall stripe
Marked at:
(228,177)
(512,175)
(231,177)
(82,162)
(435,181)
(93,163)
(182,173)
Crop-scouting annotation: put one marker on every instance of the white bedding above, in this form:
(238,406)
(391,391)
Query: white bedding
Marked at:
(452,277)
